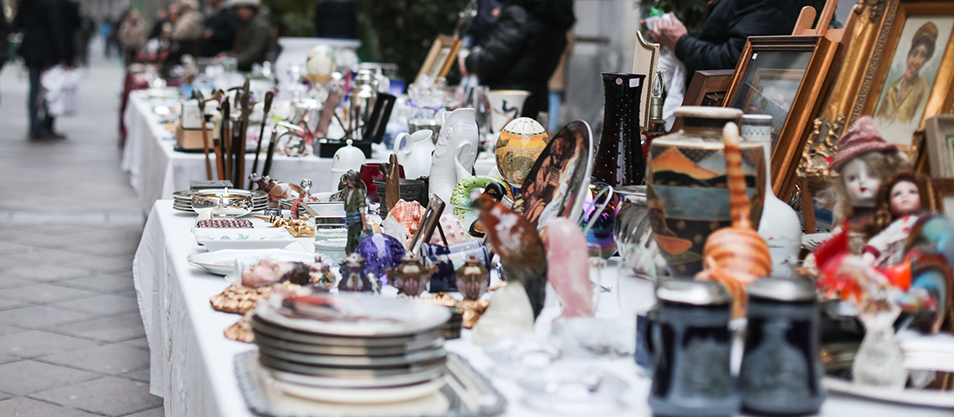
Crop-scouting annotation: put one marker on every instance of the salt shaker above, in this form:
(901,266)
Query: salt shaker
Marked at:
(692,349)
(781,371)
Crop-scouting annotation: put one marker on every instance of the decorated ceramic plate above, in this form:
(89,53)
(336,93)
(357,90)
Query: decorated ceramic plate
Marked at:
(558,182)
(407,342)
(223,262)
(357,315)
(337,372)
(363,395)
(378,382)
(358,362)
(318,349)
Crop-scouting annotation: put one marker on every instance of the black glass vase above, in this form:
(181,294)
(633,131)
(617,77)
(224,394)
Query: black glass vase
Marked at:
(619,157)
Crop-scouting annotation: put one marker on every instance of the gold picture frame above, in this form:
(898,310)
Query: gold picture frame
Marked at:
(788,75)
(440,58)
(875,31)
(645,59)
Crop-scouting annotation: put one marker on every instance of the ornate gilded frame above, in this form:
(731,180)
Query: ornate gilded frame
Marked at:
(794,131)
(872,27)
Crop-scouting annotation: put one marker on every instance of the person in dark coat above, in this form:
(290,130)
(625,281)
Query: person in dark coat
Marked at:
(523,49)
(47,41)
(254,37)
(719,41)
(221,27)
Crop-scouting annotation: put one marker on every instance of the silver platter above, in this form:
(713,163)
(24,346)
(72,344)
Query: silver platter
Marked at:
(336,372)
(408,342)
(316,349)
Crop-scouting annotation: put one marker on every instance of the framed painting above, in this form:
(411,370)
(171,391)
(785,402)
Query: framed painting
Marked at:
(898,68)
(440,58)
(782,76)
(943,189)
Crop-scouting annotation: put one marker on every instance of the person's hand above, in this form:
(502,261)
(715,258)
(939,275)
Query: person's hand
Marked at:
(666,33)
(461,57)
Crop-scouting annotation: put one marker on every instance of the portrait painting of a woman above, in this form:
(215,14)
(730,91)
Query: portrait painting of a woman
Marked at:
(911,77)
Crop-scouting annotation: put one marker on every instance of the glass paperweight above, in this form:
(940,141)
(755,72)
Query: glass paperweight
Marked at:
(381,252)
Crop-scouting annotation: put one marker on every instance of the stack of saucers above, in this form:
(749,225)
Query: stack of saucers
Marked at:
(351,348)
(182,200)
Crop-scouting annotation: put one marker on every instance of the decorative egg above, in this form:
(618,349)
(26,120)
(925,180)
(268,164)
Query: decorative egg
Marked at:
(519,145)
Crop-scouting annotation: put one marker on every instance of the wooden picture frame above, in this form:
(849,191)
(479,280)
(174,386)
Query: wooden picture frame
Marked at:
(430,222)
(940,145)
(705,85)
(792,71)
(874,30)
(943,196)
(440,58)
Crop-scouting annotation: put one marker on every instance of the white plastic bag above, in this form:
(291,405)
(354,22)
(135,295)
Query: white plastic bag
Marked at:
(60,84)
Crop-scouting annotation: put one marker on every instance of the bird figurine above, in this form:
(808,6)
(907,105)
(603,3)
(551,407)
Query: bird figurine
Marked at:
(735,256)
(519,246)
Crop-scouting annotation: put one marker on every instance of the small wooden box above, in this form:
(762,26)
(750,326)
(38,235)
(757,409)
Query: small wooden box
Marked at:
(191,139)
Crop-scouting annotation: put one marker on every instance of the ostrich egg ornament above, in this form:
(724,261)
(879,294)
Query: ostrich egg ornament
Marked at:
(519,145)
(320,64)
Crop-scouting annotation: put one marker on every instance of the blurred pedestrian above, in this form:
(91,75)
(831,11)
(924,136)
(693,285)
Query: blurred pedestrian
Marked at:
(112,39)
(45,44)
(187,29)
(221,28)
(523,49)
(255,37)
(163,26)
(4,40)
(132,35)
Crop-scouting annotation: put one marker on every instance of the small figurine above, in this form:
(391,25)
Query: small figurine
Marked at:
(410,277)
(864,159)
(899,207)
(568,267)
(735,256)
(353,277)
(519,246)
(472,278)
(354,204)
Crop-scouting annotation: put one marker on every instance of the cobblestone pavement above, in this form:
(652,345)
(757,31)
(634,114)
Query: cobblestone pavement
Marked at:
(71,339)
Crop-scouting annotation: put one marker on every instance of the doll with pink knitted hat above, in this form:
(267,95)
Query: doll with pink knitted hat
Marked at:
(863,161)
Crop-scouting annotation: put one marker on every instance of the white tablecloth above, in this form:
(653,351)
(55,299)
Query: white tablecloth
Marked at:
(192,362)
(156,170)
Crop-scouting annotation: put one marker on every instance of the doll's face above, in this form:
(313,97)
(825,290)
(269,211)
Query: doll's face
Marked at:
(905,198)
(862,184)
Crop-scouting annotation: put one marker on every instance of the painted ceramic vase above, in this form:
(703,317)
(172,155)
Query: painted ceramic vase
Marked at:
(505,105)
(354,278)
(381,252)
(410,277)
(519,145)
(472,278)
(687,188)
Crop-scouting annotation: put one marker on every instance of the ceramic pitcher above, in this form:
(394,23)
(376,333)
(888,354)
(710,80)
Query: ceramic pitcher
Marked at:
(414,152)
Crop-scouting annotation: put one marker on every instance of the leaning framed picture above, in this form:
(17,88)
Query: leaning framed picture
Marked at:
(440,58)
(940,145)
(782,76)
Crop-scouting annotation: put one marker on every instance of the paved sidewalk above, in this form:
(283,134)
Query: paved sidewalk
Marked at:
(71,338)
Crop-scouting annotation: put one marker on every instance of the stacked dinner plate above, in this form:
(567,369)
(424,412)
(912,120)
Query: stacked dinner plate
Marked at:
(182,200)
(351,348)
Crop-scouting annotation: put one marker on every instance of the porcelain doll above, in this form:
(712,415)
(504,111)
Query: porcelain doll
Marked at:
(899,207)
(864,159)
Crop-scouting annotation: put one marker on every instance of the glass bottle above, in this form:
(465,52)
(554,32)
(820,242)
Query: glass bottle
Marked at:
(619,158)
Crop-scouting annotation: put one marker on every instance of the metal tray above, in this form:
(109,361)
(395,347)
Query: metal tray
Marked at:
(466,394)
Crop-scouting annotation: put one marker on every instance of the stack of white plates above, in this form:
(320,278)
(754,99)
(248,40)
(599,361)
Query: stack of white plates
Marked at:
(348,348)
(182,200)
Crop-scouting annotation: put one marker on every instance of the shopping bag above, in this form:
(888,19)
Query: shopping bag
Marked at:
(60,84)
